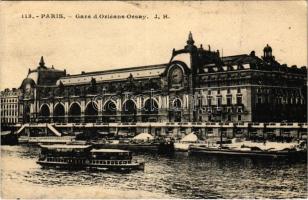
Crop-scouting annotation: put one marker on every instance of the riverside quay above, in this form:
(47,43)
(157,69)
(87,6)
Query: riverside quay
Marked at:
(197,90)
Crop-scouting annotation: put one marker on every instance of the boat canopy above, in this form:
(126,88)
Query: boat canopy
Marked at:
(190,138)
(144,137)
(66,148)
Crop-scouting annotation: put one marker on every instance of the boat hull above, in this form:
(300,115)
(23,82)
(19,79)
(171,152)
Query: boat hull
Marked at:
(100,167)
(9,139)
(151,147)
(156,147)
(252,153)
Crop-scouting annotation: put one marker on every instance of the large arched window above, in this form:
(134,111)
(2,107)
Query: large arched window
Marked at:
(59,113)
(91,112)
(129,111)
(175,113)
(26,117)
(109,112)
(177,104)
(150,111)
(74,113)
(44,113)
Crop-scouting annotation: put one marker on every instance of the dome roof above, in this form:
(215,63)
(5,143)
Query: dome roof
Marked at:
(33,75)
(28,81)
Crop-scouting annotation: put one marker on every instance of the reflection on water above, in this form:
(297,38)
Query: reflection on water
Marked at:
(176,176)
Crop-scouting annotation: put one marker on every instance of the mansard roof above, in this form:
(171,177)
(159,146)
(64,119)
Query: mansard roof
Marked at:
(43,75)
(115,74)
(243,58)
(245,61)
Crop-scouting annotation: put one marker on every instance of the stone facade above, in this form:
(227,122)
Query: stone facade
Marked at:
(196,85)
(9,107)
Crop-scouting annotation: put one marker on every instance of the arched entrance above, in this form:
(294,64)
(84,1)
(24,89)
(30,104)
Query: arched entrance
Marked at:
(26,116)
(74,113)
(129,111)
(44,115)
(91,113)
(109,112)
(150,111)
(59,113)
(175,114)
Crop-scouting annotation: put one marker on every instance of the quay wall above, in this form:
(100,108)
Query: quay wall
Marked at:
(169,129)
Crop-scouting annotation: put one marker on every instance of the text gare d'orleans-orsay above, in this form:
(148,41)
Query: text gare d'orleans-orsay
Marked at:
(93,16)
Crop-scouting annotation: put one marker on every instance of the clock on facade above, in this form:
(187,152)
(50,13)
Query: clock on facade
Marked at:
(176,75)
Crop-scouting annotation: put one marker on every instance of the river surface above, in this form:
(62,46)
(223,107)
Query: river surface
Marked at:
(165,176)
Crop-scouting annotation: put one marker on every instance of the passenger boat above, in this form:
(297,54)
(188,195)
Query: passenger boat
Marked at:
(87,157)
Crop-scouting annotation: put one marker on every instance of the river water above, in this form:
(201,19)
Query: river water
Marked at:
(165,176)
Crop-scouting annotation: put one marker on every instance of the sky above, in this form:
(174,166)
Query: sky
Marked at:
(235,27)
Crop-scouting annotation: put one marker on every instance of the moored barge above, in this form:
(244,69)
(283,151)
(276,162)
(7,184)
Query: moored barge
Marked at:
(87,157)
(248,152)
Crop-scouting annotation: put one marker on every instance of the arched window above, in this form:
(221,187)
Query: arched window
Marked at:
(74,113)
(91,112)
(109,112)
(26,114)
(129,111)
(176,111)
(44,113)
(150,111)
(58,113)
(177,104)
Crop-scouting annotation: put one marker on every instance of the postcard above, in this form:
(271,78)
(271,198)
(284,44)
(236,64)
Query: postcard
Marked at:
(153,99)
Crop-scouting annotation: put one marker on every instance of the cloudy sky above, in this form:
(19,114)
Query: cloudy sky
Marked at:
(97,44)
